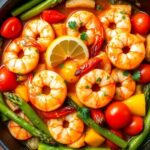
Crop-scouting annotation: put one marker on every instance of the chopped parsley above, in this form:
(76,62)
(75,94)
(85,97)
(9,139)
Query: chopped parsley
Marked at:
(98,79)
(83,36)
(61,65)
(108,77)
(136,76)
(99,7)
(126,73)
(123,17)
(87,87)
(72,24)
(104,94)
(122,12)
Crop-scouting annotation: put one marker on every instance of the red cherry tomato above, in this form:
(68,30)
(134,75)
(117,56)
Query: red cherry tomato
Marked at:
(117,115)
(111,144)
(7,79)
(11,28)
(135,127)
(141,23)
(53,16)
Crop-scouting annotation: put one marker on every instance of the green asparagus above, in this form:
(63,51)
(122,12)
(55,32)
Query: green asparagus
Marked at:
(136,141)
(25,7)
(29,112)
(84,114)
(48,147)
(24,124)
(3,117)
(39,8)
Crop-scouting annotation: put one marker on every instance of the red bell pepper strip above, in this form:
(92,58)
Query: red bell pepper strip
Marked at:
(87,66)
(53,16)
(57,113)
(98,116)
(95,49)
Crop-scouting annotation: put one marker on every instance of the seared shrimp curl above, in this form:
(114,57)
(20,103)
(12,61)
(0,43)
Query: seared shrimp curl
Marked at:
(39,30)
(21,56)
(17,131)
(125,85)
(66,130)
(126,51)
(116,20)
(47,90)
(95,89)
(88,22)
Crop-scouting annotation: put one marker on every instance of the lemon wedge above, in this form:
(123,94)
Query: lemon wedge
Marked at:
(66,47)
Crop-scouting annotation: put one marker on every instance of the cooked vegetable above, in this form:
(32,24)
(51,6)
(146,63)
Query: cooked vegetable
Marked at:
(136,104)
(43,146)
(25,7)
(117,115)
(11,28)
(98,116)
(80,3)
(29,112)
(88,66)
(84,114)
(60,29)
(53,16)
(92,138)
(111,144)
(39,8)
(34,131)
(136,141)
(147,56)
(7,79)
(140,23)
(61,112)
(142,74)
(135,126)
(33,143)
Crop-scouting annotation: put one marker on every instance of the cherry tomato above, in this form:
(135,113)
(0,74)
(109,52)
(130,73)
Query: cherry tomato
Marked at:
(111,144)
(7,79)
(98,116)
(135,127)
(53,16)
(11,28)
(141,23)
(117,115)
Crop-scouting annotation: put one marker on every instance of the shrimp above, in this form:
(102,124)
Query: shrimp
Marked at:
(17,131)
(105,63)
(126,51)
(21,56)
(66,130)
(95,89)
(84,22)
(39,30)
(47,90)
(125,85)
(79,143)
(116,20)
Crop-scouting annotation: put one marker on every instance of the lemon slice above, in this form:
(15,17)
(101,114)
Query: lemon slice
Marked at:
(66,47)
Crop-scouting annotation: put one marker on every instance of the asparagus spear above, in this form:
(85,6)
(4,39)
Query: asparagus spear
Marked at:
(84,114)
(43,146)
(24,124)
(29,112)
(3,117)
(39,8)
(25,7)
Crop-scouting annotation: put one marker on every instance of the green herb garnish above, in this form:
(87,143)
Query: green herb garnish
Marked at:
(72,25)
(83,36)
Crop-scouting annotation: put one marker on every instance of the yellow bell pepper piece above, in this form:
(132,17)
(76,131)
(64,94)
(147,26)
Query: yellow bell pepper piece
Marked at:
(136,104)
(22,92)
(92,138)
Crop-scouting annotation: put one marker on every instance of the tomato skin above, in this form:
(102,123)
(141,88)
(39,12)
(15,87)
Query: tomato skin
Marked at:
(7,80)
(11,28)
(135,127)
(111,144)
(117,115)
(144,73)
(140,23)
(53,16)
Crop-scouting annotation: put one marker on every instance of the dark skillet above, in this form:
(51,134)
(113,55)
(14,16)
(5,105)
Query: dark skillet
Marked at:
(7,142)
